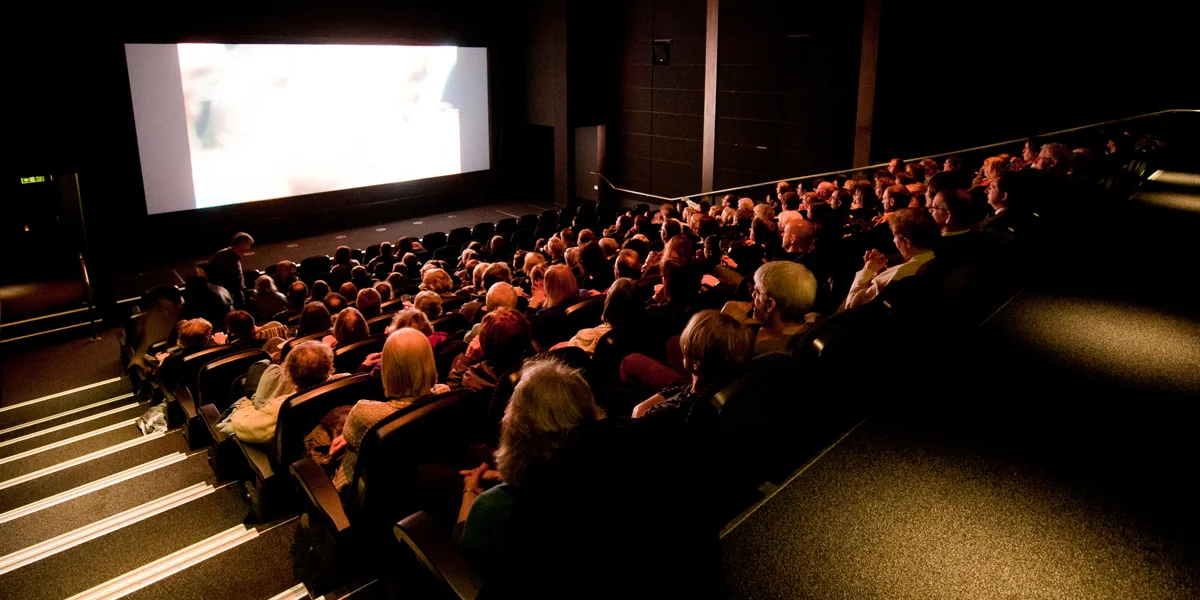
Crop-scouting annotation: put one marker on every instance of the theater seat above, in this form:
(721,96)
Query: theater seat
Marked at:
(181,405)
(393,305)
(348,359)
(457,237)
(433,241)
(506,227)
(292,343)
(408,462)
(449,571)
(547,223)
(314,268)
(483,232)
(445,355)
(527,223)
(450,323)
(585,313)
(523,239)
(298,415)
(377,325)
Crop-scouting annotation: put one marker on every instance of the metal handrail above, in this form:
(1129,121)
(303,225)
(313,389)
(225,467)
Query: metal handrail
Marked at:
(907,160)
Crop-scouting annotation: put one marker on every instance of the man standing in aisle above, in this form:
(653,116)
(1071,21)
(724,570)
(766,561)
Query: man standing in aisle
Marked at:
(225,268)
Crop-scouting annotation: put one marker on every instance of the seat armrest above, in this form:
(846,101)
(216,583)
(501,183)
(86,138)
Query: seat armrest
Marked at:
(257,458)
(320,492)
(183,396)
(211,417)
(439,553)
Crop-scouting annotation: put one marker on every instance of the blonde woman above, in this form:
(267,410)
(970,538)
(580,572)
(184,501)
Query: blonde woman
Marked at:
(549,324)
(408,373)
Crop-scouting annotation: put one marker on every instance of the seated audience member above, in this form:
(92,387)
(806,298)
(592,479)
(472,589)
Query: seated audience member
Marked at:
(557,249)
(548,402)
(314,319)
(438,281)
(586,236)
(915,234)
(502,343)
(386,257)
(500,295)
(622,311)
(714,347)
(383,289)
(783,293)
(348,290)
(360,277)
(930,166)
(610,247)
(308,365)
(573,261)
(408,372)
(798,239)
(672,305)
(597,275)
(952,164)
(343,264)
(204,300)
(335,302)
(349,328)
(791,209)
(297,296)
(946,180)
(319,290)
(1054,159)
(266,300)
(397,282)
(1000,197)
(412,264)
(245,335)
(368,302)
(430,303)
(285,274)
(951,210)
(415,319)
(550,322)
(628,265)
(537,289)
(894,198)
(194,335)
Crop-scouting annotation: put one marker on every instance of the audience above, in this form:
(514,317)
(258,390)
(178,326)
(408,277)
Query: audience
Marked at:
(308,365)
(502,343)
(266,300)
(314,319)
(368,301)
(783,294)
(915,234)
(349,328)
(714,346)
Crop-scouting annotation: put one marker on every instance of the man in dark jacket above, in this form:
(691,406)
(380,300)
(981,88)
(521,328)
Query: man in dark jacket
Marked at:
(225,267)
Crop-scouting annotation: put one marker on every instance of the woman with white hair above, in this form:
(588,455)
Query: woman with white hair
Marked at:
(549,401)
(408,373)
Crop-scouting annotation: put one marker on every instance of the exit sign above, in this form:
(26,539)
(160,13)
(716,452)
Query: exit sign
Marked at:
(38,179)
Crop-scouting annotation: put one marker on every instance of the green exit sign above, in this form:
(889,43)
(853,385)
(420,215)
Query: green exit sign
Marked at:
(38,179)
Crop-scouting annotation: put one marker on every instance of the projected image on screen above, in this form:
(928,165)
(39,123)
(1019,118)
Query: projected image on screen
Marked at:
(222,124)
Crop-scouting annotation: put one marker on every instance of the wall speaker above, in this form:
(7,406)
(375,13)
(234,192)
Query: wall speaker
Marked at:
(662,52)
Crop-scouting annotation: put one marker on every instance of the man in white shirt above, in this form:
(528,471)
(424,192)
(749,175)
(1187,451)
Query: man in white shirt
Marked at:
(915,233)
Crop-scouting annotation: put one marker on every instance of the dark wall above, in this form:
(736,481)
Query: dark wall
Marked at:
(958,74)
(787,84)
(75,115)
(654,143)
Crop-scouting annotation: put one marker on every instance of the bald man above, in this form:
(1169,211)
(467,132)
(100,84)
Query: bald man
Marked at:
(500,295)
(798,239)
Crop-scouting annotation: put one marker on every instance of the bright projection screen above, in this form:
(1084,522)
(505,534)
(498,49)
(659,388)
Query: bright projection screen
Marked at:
(224,124)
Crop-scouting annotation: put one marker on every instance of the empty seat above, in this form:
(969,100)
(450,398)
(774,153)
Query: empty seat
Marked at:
(393,305)
(433,241)
(483,232)
(376,325)
(347,359)
(527,222)
(457,237)
(506,227)
(314,268)
(249,276)
(523,239)
(547,223)
(446,253)
(444,357)
(298,415)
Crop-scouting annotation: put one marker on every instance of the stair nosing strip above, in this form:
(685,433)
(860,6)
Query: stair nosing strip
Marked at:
(69,424)
(296,592)
(103,527)
(60,394)
(68,441)
(173,563)
(94,486)
(64,413)
(83,459)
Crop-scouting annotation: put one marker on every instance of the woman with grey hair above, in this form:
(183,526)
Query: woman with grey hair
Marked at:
(266,300)
(548,402)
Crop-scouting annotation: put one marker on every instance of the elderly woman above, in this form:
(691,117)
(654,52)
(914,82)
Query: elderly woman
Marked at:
(253,420)
(266,300)
(437,281)
(547,404)
(350,327)
(502,343)
(314,318)
(714,347)
(408,373)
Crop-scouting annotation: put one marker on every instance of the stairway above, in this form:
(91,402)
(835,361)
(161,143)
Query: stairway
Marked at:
(91,508)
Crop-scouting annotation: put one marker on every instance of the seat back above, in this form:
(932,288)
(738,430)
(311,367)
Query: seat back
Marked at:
(347,359)
(300,413)
(393,305)
(527,222)
(523,240)
(313,268)
(192,363)
(445,355)
(547,223)
(433,241)
(213,382)
(506,226)
(447,253)
(505,385)
(429,437)
(249,276)
(292,343)
(483,232)
(457,237)
(377,325)
(586,313)
(611,349)
(450,323)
